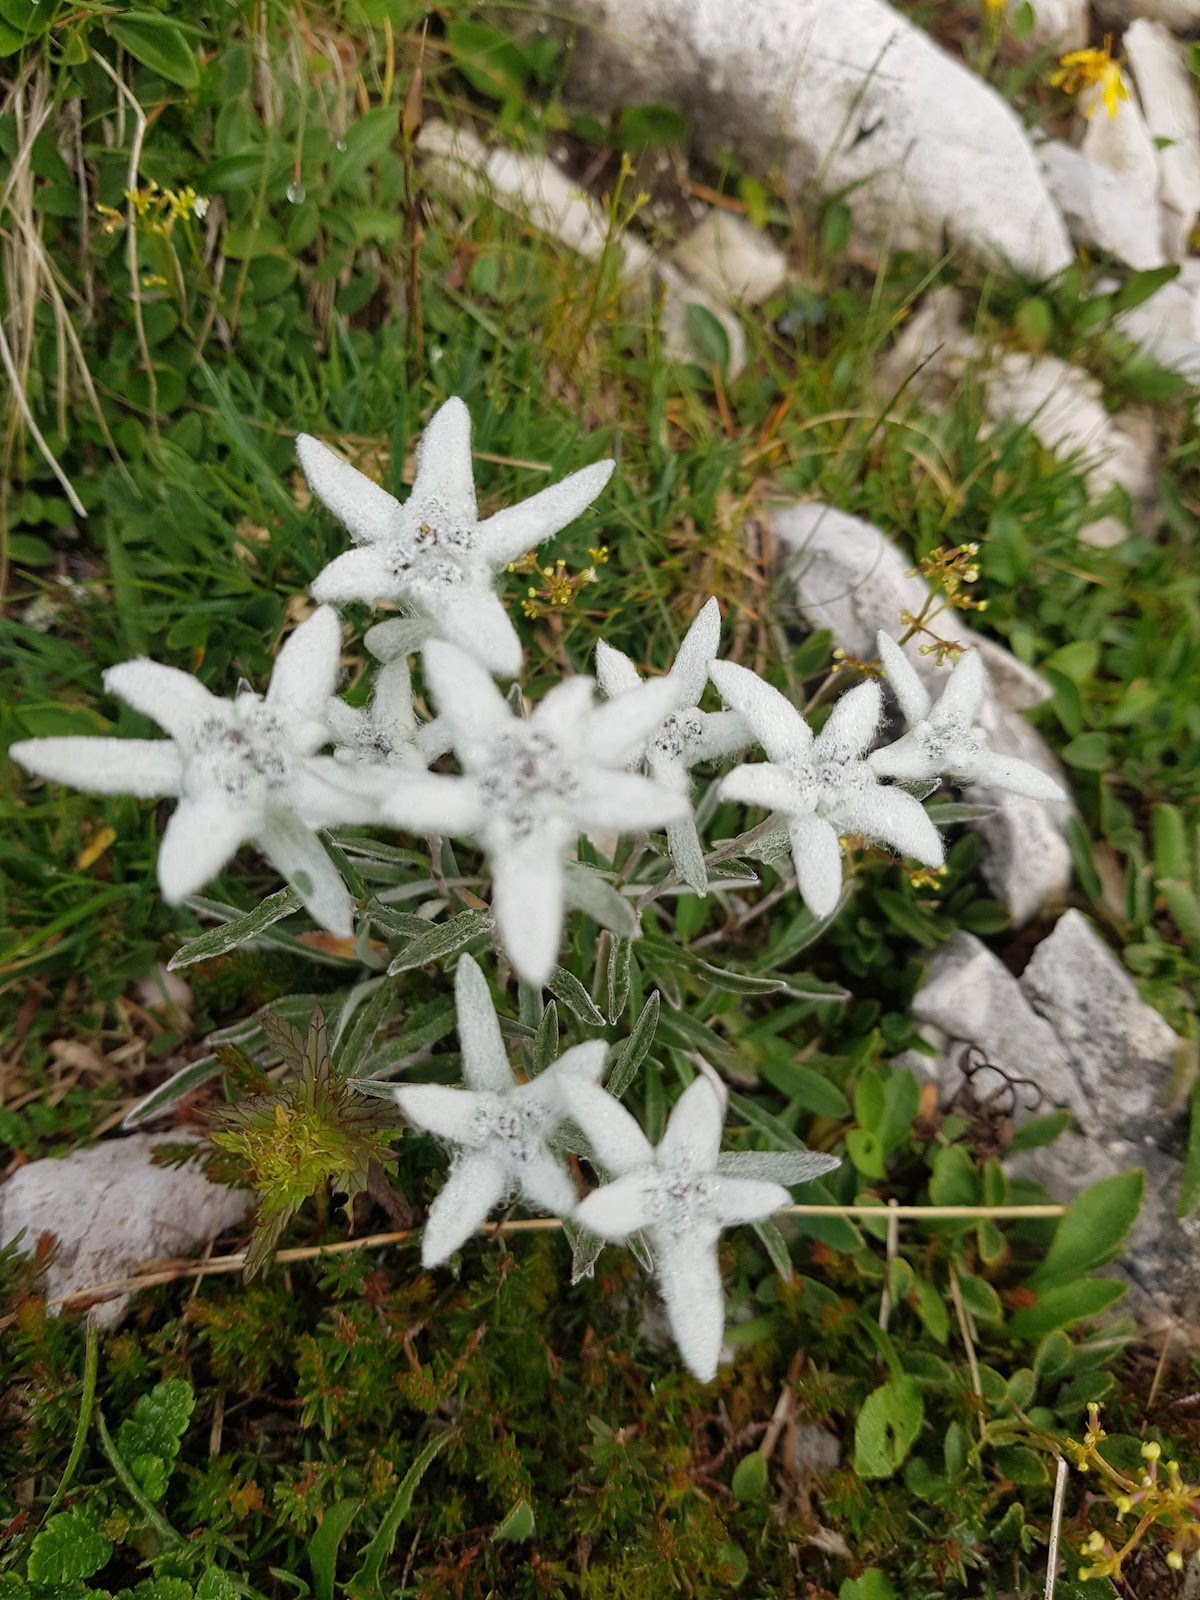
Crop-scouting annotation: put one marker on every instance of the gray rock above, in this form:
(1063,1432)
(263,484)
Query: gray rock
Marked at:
(1075,1024)
(845,575)
(1122,1052)
(1062,23)
(110,1210)
(1182,15)
(842,95)
(814,1450)
(1167,93)
(1166,327)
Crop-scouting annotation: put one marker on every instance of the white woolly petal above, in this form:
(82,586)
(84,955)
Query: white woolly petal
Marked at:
(687,854)
(627,803)
(445,472)
(173,699)
(850,726)
(696,651)
(892,817)
(362,574)
(962,697)
(198,840)
(618,728)
(817,857)
(617,1209)
(428,802)
(911,694)
(147,768)
(391,703)
(616,1141)
(449,1113)
(362,507)
(562,711)
(306,668)
(545,1184)
(693,1132)
(765,784)
(583,1061)
(466,696)
(737,1200)
(517,529)
(398,636)
(993,771)
(433,739)
(722,733)
(298,854)
(485,1061)
(778,726)
(476,621)
(689,1279)
(325,793)
(527,903)
(615,672)
(476,1186)
(908,759)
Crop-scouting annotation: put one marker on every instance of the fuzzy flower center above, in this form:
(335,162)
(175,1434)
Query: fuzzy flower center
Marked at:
(824,785)
(679,1198)
(433,545)
(512,1126)
(526,782)
(678,734)
(939,739)
(243,750)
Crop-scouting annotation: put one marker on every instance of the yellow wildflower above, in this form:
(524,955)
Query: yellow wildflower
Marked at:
(1088,69)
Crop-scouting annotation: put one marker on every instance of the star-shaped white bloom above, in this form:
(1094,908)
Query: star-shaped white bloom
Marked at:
(822,785)
(686,736)
(675,1193)
(943,740)
(433,553)
(499,1126)
(242,769)
(531,786)
(386,733)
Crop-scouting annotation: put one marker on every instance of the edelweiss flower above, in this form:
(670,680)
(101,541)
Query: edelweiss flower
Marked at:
(942,740)
(387,733)
(243,769)
(500,1126)
(433,553)
(677,1195)
(685,737)
(530,787)
(823,785)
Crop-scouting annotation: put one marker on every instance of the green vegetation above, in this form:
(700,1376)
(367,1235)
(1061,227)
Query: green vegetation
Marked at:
(348,1424)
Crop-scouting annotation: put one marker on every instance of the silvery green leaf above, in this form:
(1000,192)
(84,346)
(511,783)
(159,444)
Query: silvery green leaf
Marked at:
(635,1049)
(620,958)
(442,941)
(567,988)
(585,1252)
(788,1167)
(592,894)
(238,927)
(545,1045)
(775,1245)
(171,1092)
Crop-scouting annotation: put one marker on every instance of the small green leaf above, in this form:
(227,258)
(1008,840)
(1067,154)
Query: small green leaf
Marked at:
(634,1051)
(365,1584)
(707,337)
(565,986)
(69,1547)
(324,1544)
(159,45)
(443,941)
(1093,1229)
(650,127)
(1059,1308)
(156,1426)
(518,1525)
(1189,1188)
(887,1428)
(238,930)
(751,1479)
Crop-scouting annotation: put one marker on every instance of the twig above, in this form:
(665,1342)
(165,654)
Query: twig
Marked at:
(171,1270)
(1056,1514)
(964,1327)
(893,1246)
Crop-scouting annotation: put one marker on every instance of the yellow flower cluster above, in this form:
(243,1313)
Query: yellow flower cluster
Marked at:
(1163,1500)
(558,587)
(156,210)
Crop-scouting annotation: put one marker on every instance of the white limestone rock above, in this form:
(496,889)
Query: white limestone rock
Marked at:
(1121,142)
(1166,327)
(535,188)
(1182,15)
(1103,209)
(845,95)
(1061,23)
(110,1210)
(732,260)
(1167,93)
